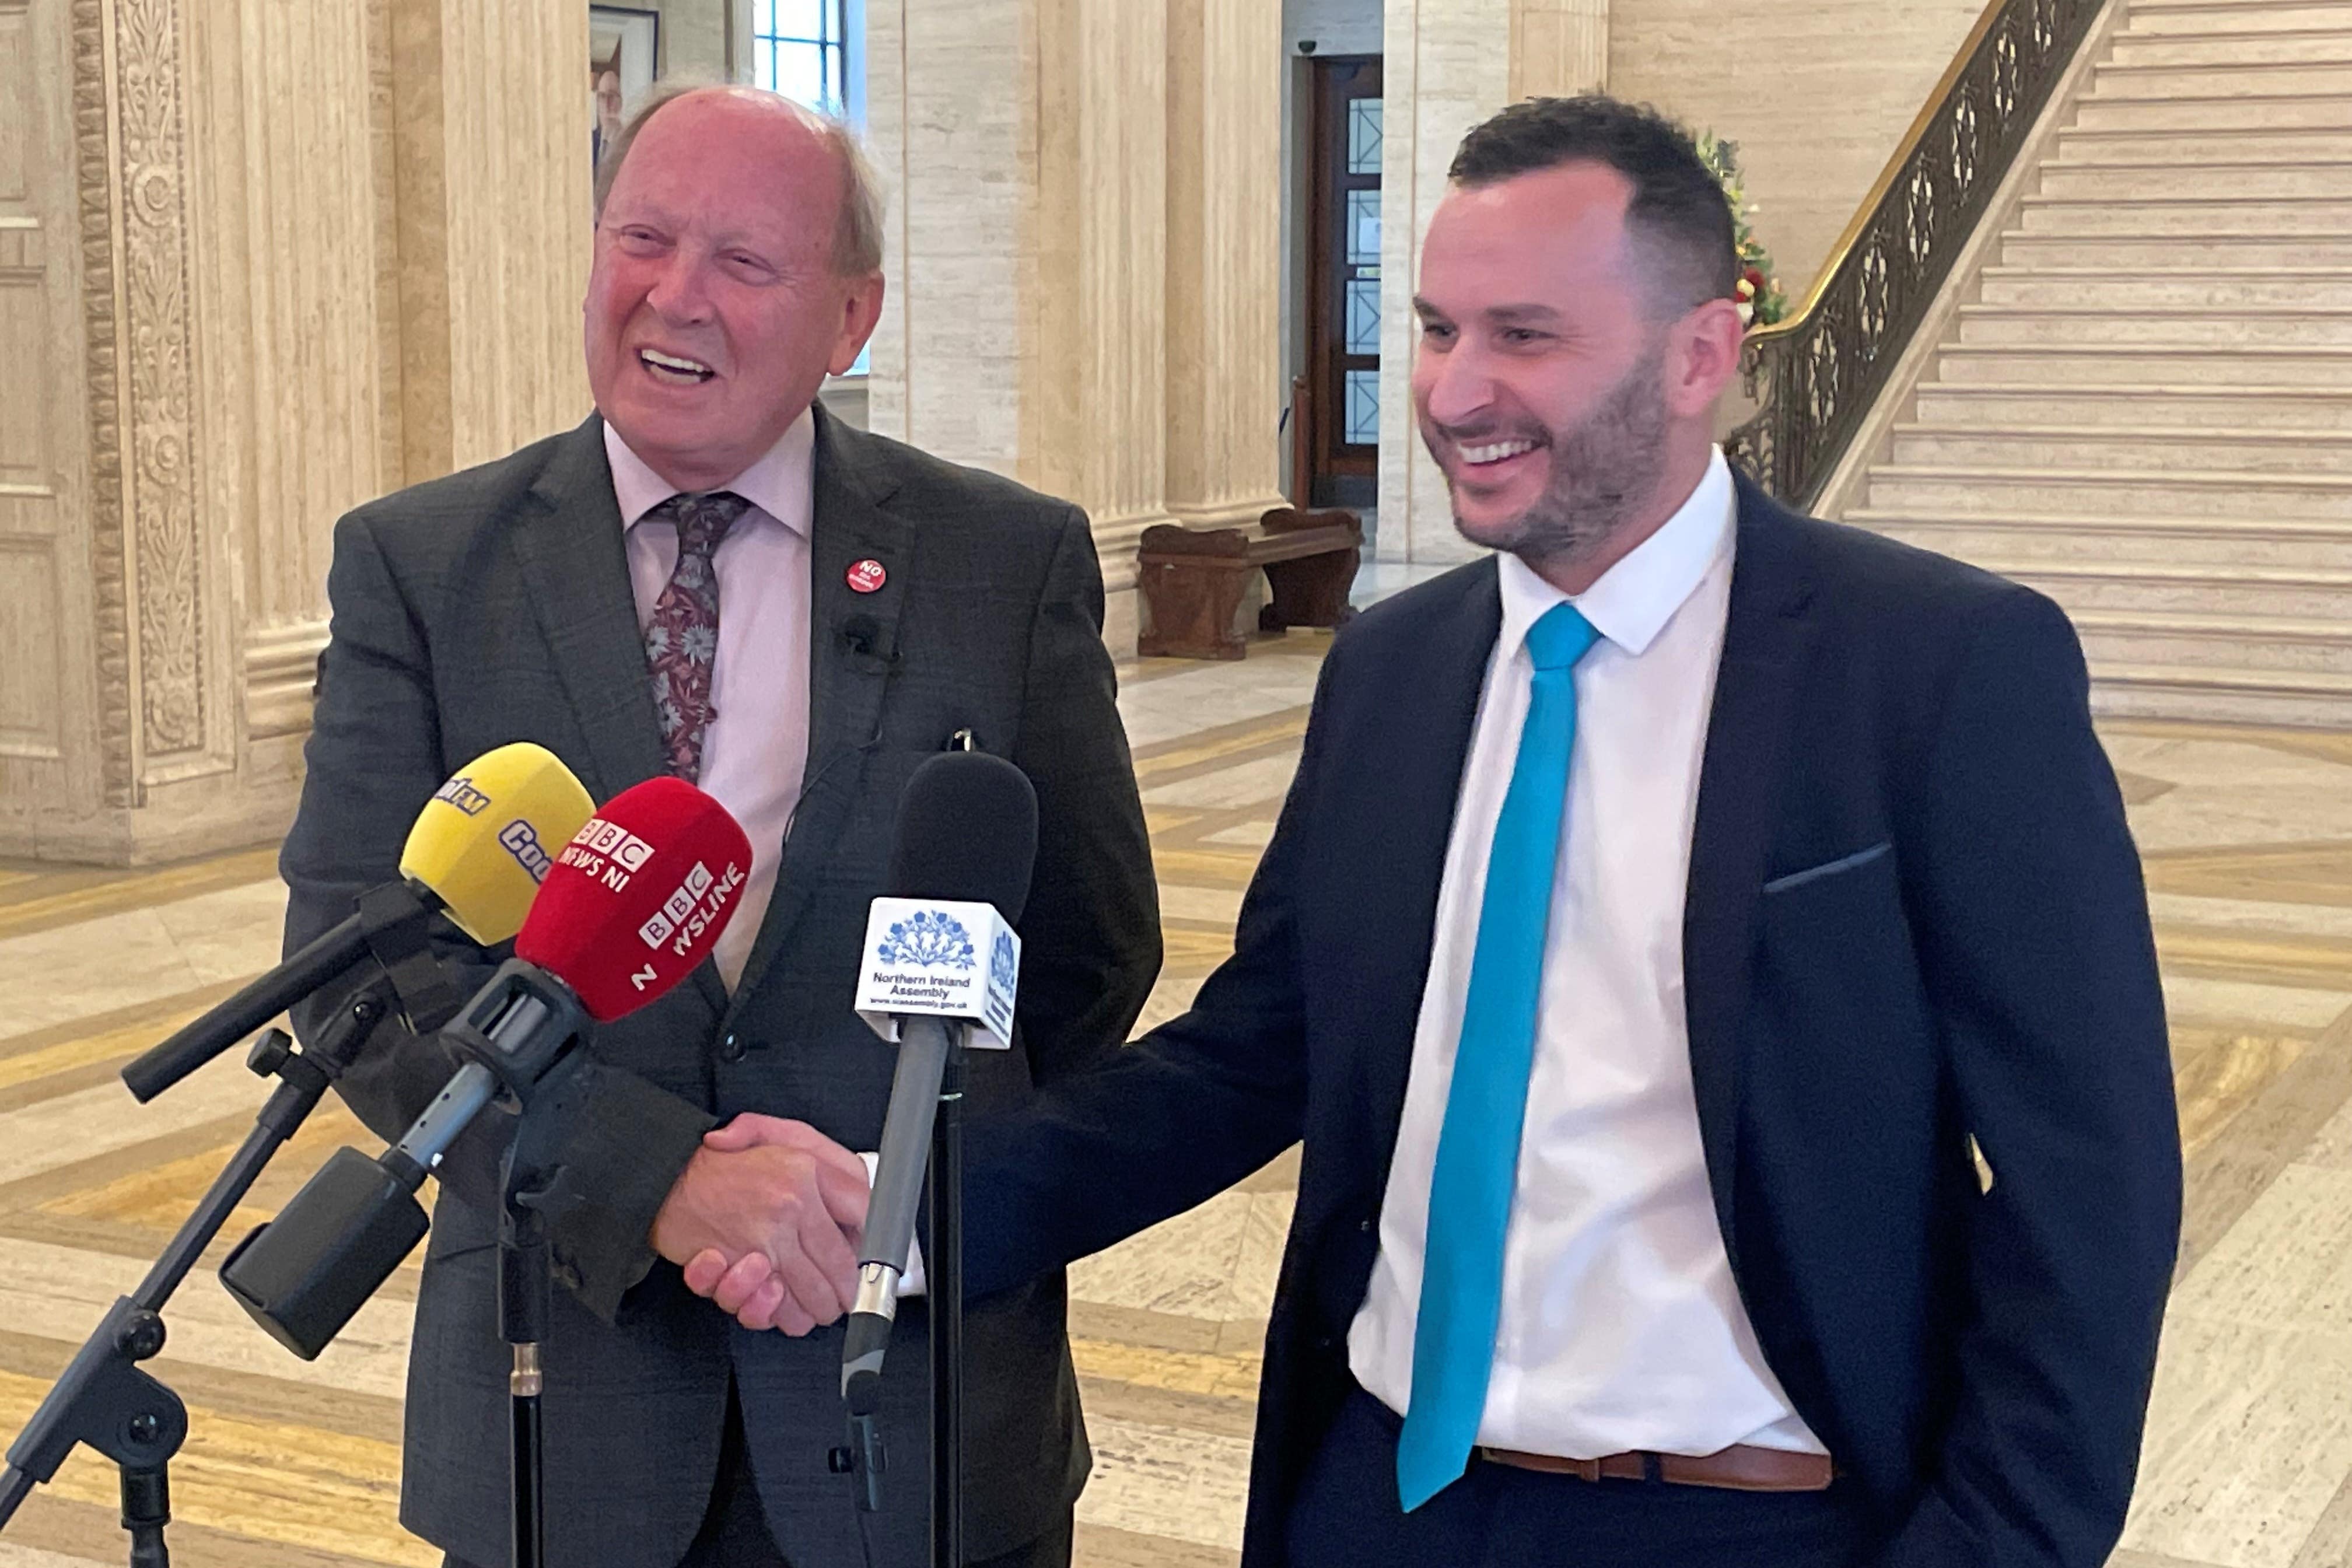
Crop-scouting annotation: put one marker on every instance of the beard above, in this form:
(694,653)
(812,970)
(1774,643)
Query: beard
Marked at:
(1600,472)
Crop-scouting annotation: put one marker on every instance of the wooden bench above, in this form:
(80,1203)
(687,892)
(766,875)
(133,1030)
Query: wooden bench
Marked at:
(1193,580)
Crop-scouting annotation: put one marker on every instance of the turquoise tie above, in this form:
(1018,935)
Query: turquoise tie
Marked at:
(1478,1146)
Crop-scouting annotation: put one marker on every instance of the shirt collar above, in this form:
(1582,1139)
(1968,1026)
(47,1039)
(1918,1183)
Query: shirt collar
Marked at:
(1635,599)
(781,483)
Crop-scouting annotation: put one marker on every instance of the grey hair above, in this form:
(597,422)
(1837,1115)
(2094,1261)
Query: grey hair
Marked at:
(856,237)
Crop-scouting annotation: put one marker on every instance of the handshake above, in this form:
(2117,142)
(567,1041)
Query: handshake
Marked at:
(765,1220)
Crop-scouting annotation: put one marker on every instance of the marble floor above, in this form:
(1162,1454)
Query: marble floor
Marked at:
(2248,839)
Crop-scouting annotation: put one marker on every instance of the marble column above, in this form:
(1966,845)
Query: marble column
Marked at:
(493,225)
(1084,252)
(1225,393)
(258,263)
(1096,380)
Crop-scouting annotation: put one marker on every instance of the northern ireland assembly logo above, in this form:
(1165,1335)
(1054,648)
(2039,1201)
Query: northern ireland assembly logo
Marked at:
(927,939)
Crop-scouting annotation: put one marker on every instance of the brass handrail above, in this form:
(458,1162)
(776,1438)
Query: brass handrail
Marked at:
(1826,363)
(1888,174)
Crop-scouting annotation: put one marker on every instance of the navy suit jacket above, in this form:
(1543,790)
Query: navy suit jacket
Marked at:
(1915,918)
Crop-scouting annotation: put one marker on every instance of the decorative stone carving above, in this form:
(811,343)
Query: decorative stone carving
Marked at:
(153,301)
(94,171)
(234,169)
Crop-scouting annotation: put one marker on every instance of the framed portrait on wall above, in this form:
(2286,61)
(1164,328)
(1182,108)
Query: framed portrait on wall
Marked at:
(624,54)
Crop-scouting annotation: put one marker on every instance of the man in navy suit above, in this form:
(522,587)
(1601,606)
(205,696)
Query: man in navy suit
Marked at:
(1669,912)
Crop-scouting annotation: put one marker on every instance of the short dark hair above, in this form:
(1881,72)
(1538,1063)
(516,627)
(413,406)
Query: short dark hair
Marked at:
(1678,206)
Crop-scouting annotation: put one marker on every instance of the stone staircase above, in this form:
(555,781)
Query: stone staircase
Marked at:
(2145,410)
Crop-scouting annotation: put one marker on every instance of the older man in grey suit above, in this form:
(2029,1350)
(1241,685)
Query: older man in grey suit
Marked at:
(713,578)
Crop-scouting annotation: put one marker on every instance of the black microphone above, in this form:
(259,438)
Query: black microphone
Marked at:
(966,832)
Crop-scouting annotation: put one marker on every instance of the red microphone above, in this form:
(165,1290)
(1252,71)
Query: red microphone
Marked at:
(638,898)
(633,903)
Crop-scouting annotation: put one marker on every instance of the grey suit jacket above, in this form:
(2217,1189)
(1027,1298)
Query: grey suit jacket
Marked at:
(494,605)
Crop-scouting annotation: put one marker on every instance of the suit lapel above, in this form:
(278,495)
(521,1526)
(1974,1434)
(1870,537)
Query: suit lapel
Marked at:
(574,555)
(1741,784)
(853,647)
(1429,707)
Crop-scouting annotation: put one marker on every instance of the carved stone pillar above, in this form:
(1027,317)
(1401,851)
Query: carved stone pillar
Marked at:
(221,343)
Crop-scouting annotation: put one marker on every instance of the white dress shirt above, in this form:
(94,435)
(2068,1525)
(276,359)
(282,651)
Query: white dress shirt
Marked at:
(1620,1328)
(756,747)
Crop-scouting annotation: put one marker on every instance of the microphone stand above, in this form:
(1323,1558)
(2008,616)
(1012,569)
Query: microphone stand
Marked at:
(103,1399)
(305,1274)
(524,1291)
(394,925)
(862,1458)
(943,1280)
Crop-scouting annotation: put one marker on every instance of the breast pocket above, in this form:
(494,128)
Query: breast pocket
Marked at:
(1841,866)
(1838,991)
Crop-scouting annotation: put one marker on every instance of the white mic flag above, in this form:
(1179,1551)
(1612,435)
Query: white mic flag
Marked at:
(930,958)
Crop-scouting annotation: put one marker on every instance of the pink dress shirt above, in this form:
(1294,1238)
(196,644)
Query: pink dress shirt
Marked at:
(756,749)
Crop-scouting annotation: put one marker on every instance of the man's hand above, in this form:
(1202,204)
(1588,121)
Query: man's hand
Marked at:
(764,1220)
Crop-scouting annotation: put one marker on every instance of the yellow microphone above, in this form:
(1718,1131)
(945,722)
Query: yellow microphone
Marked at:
(484,842)
(475,854)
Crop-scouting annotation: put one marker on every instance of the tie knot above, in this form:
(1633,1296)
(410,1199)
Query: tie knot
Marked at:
(1559,637)
(702,520)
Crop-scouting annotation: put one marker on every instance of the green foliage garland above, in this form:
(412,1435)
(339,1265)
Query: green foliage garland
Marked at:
(1761,300)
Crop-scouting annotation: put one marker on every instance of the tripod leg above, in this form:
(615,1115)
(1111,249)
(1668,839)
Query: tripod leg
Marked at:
(146,1509)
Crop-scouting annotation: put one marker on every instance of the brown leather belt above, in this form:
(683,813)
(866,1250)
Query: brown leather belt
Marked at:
(1741,1468)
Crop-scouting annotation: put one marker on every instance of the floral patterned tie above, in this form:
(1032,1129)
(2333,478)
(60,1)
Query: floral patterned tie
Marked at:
(682,638)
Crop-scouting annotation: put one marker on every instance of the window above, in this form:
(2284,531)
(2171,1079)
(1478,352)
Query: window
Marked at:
(1363,136)
(1363,336)
(1364,227)
(801,48)
(1362,417)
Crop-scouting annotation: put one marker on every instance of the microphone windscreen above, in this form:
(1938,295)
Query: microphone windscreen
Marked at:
(967,833)
(486,840)
(638,897)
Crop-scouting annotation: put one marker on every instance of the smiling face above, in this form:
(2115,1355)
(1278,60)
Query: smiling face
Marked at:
(714,309)
(1565,392)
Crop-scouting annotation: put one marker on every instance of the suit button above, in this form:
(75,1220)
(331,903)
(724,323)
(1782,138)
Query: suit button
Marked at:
(1365,1227)
(732,1048)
